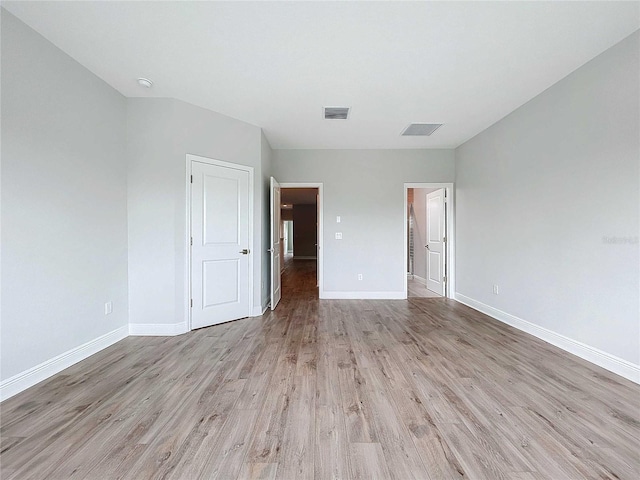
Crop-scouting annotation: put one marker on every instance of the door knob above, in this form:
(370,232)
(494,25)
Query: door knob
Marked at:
(244,251)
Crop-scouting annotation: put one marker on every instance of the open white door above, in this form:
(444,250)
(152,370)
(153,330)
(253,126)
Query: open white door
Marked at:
(276,291)
(435,242)
(318,239)
(220,244)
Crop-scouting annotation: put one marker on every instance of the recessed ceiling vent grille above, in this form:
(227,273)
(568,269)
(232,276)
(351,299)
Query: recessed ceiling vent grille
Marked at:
(421,129)
(336,113)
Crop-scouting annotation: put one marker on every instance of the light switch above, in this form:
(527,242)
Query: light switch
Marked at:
(338,235)
(338,219)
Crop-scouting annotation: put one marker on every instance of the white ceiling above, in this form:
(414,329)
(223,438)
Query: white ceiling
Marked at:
(275,65)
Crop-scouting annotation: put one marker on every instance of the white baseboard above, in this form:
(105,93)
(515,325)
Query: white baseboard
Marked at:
(158,329)
(605,360)
(363,295)
(16,384)
(259,310)
(420,280)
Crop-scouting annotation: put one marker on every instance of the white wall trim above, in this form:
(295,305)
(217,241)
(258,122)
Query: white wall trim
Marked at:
(16,384)
(614,364)
(258,310)
(158,329)
(335,295)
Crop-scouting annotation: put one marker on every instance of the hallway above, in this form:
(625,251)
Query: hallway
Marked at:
(299,278)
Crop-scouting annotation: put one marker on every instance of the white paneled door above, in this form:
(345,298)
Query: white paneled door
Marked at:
(276,274)
(220,244)
(435,242)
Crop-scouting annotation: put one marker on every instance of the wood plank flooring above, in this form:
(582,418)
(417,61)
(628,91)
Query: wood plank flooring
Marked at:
(417,289)
(336,389)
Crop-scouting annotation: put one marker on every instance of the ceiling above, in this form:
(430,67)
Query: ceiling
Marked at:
(298,196)
(276,64)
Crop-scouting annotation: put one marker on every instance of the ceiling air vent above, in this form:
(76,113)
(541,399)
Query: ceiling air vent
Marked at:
(421,129)
(336,113)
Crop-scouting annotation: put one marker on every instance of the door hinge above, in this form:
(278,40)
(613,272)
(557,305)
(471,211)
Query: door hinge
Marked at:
(444,279)
(192,303)
(191,240)
(444,239)
(191,178)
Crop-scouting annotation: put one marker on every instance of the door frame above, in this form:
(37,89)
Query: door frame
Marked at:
(190,158)
(319,260)
(450,250)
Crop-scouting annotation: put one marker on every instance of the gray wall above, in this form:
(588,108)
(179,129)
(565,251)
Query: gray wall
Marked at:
(160,134)
(547,207)
(64,217)
(366,188)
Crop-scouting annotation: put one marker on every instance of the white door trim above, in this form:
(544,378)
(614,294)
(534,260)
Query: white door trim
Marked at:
(187,238)
(451,237)
(319,186)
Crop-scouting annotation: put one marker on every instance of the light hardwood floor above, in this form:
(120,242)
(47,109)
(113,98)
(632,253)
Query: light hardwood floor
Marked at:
(424,389)
(417,289)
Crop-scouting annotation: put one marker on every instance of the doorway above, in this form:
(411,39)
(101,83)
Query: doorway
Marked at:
(296,245)
(429,240)
(288,238)
(220,277)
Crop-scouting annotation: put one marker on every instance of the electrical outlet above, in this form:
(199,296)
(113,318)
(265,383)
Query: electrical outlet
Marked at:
(496,290)
(338,235)
(338,219)
(108,308)
(359,276)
